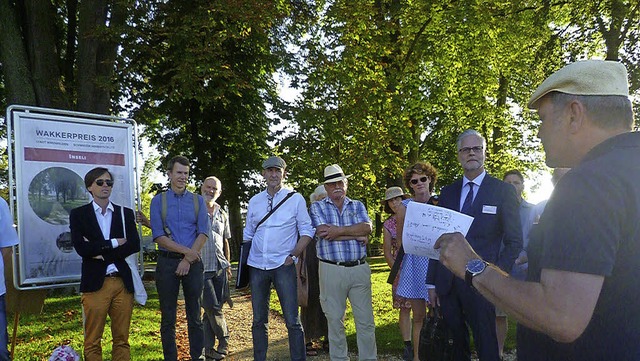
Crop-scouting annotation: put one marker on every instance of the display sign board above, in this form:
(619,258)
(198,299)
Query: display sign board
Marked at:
(50,152)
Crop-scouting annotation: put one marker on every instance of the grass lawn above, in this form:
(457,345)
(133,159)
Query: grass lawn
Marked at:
(61,323)
(387,332)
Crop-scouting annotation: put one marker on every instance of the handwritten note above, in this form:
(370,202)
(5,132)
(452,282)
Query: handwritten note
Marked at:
(424,223)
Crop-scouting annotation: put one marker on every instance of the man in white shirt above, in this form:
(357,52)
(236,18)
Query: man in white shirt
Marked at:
(274,251)
(104,234)
(8,239)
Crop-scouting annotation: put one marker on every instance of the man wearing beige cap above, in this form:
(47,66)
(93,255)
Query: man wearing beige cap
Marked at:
(581,300)
(275,219)
(341,226)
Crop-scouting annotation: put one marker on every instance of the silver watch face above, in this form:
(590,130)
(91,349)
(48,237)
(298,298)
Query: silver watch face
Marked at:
(476,266)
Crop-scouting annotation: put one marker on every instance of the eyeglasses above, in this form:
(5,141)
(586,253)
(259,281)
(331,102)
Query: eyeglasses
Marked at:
(101,182)
(467,150)
(269,204)
(421,179)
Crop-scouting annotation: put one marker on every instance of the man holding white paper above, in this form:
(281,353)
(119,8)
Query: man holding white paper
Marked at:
(495,234)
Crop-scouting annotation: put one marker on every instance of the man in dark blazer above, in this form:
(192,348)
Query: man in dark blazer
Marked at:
(106,284)
(495,234)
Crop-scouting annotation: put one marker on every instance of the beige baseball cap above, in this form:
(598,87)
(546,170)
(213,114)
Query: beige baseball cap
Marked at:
(587,77)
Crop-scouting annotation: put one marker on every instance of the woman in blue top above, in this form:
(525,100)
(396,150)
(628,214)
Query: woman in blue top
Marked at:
(420,178)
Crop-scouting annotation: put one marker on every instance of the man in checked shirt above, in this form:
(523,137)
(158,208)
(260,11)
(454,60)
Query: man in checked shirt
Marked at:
(342,226)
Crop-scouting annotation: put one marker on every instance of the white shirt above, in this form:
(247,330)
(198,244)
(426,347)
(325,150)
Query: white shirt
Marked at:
(104,220)
(278,235)
(8,238)
(477,181)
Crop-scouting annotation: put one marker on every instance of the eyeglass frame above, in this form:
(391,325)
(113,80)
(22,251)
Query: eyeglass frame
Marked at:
(467,150)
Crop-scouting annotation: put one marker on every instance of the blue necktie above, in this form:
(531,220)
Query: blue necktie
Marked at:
(466,206)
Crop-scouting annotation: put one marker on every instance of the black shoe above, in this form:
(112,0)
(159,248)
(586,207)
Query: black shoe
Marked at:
(223,347)
(212,354)
(407,353)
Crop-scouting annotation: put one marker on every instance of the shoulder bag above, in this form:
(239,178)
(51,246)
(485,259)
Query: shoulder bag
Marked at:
(242,279)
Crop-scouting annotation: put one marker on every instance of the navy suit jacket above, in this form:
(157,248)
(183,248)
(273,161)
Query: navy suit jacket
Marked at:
(495,234)
(84,224)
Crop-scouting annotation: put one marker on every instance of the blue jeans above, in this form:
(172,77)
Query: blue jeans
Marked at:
(4,336)
(168,286)
(285,282)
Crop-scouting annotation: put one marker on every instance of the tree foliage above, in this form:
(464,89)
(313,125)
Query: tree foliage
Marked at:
(389,82)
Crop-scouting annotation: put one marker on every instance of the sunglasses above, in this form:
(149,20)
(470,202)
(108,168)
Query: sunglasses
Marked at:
(101,182)
(421,179)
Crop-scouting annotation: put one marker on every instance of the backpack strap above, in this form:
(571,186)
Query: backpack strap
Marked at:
(196,207)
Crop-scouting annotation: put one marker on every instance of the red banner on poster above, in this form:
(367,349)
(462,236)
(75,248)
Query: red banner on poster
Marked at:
(69,156)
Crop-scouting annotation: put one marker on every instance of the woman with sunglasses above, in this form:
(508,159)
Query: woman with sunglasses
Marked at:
(420,178)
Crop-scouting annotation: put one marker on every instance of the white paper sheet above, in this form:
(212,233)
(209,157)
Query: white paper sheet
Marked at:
(424,223)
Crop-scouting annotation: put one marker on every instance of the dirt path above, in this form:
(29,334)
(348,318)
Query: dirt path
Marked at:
(239,322)
(240,345)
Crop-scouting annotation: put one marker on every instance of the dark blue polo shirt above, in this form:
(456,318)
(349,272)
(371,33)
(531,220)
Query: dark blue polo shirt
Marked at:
(591,225)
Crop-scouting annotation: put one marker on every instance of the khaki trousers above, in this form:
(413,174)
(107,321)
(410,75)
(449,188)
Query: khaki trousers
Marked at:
(337,283)
(114,300)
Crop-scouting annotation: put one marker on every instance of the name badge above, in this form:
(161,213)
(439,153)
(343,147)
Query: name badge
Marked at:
(489,209)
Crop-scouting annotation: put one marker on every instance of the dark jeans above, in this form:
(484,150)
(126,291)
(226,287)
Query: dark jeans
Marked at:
(285,282)
(168,286)
(4,336)
(213,297)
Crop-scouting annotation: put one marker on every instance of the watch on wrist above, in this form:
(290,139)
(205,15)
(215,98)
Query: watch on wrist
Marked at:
(474,267)
(294,258)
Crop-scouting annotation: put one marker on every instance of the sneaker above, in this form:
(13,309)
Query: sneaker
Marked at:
(223,346)
(407,354)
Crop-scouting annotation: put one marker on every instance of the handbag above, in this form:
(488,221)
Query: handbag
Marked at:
(303,280)
(139,294)
(242,278)
(436,339)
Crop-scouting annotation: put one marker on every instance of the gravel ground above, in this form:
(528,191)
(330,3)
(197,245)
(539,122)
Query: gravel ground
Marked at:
(240,345)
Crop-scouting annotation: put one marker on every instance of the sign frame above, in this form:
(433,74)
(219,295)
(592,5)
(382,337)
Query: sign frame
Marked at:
(97,133)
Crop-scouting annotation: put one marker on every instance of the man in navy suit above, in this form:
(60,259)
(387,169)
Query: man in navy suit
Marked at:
(495,234)
(106,284)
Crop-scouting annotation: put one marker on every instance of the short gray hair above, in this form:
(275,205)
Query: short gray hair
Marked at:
(606,111)
(467,133)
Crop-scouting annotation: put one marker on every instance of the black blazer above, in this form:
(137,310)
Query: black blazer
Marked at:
(84,224)
(496,232)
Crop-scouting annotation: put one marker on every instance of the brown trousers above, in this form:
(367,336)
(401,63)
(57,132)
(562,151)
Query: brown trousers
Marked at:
(114,300)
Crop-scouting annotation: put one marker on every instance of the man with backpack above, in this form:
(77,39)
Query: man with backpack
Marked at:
(179,225)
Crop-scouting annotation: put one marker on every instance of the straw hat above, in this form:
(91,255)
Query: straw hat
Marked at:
(334,173)
(393,192)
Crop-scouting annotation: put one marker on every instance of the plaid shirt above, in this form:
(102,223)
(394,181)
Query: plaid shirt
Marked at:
(353,212)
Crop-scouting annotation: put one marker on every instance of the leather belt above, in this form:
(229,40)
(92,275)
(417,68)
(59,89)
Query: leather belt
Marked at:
(113,274)
(169,254)
(357,262)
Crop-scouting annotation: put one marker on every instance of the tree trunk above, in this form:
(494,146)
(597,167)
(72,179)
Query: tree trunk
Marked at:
(40,37)
(13,57)
(91,20)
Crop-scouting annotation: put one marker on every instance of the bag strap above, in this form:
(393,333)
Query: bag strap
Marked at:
(274,209)
(124,227)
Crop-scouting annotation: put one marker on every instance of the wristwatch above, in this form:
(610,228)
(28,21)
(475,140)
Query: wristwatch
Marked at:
(294,258)
(474,268)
